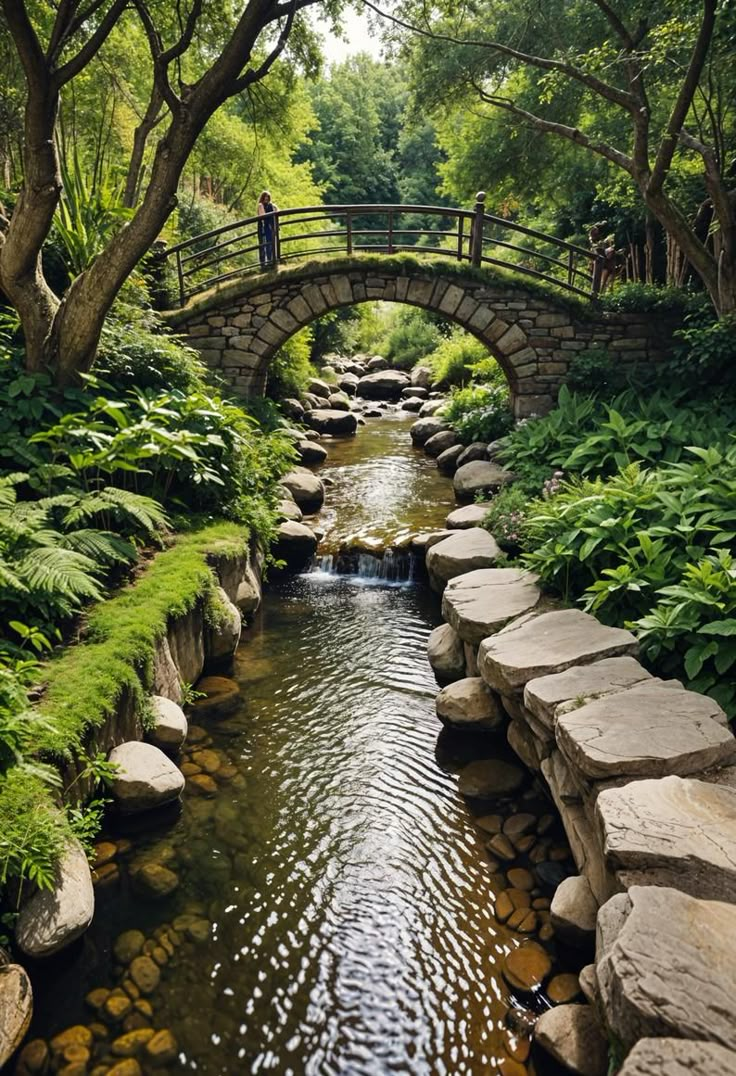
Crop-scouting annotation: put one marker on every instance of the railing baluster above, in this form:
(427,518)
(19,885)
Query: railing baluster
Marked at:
(390,231)
(180,274)
(460,237)
(571,267)
(349,231)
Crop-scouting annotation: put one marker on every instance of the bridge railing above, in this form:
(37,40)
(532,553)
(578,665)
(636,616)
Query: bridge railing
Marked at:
(473,236)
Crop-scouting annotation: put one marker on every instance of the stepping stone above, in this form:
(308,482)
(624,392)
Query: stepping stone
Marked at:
(678,1057)
(428,426)
(480,603)
(546,644)
(472,515)
(440,442)
(543,696)
(53,918)
(310,453)
(479,476)
(572,1035)
(461,552)
(648,731)
(469,704)
(676,832)
(146,778)
(288,509)
(670,970)
(447,460)
(476,451)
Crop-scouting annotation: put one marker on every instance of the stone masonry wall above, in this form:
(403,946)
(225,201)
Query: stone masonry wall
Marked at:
(239,328)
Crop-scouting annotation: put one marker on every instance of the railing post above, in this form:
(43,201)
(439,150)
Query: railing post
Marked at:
(570,267)
(180,274)
(349,232)
(460,237)
(597,273)
(390,231)
(476,235)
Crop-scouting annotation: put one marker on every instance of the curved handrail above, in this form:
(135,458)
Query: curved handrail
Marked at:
(464,235)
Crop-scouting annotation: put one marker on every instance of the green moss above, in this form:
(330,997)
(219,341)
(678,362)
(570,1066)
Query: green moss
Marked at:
(432,266)
(85,683)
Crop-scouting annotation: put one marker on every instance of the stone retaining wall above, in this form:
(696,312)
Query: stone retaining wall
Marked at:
(239,328)
(643,774)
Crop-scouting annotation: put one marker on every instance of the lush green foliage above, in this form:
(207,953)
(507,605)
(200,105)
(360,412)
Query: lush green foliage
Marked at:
(479,412)
(411,339)
(506,517)
(453,360)
(290,369)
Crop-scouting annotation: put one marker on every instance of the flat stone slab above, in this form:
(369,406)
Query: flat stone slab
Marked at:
(480,603)
(678,1057)
(479,476)
(546,694)
(461,552)
(472,515)
(546,644)
(146,778)
(648,731)
(676,832)
(469,704)
(670,971)
(53,918)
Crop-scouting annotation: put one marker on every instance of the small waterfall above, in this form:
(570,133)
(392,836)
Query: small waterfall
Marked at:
(391,566)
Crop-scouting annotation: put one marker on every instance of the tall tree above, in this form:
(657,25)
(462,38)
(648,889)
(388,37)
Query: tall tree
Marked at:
(241,43)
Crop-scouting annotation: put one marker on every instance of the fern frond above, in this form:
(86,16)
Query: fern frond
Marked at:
(104,547)
(62,573)
(144,512)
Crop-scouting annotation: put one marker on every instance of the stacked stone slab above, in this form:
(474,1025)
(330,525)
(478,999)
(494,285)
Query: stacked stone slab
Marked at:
(643,774)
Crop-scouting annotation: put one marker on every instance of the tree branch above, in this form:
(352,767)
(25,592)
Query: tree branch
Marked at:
(91,46)
(160,72)
(187,34)
(255,75)
(26,42)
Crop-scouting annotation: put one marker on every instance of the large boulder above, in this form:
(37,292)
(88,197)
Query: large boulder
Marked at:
(461,552)
(481,602)
(665,967)
(16,1009)
(446,654)
(310,453)
(146,778)
(574,910)
(650,730)
(472,515)
(475,451)
(421,377)
(447,460)
(480,476)
(319,388)
(306,489)
(53,918)
(678,1057)
(382,385)
(546,644)
(439,442)
(348,383)
(431,407)
(469,704)
(338,401)
(295,544)
(674,831)
(170,726)
(425,428)
(325,420)
(572,1035)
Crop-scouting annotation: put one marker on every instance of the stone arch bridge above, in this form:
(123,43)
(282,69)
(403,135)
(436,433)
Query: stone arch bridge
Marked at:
(240,326)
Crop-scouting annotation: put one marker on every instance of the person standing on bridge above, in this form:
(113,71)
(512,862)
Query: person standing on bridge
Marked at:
(266,230)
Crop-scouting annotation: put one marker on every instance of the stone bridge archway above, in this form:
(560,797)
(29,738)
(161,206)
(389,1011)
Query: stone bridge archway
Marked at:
(532,332)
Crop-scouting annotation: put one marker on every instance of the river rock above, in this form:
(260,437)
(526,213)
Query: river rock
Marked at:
(547,644)
(649,730)
(223,637)
(469,704)
(420,543)
(526,967)
(421,377)
(678,1057)
(16,1009)
(155,881)
(425,428)
(248,595)
(376,363)
(573,911)
(306,489)
(145,973)
(53,918)
(462,552)
(472,452)
(348,383)
(292,408)
(670,969)
(222,697)
(674,831)
(545,695)
(572,1035)
(318,387)
(480,603)
(472,515)
(382,385)
(431,408)
(295,544)
(170,724)
(310,453)
(412,403)
(480,476)
(438,443)
(338,401)
(146,778)
(414,392)
(447,460)
(446,654)
(287,509)
(325,420)
(490,778)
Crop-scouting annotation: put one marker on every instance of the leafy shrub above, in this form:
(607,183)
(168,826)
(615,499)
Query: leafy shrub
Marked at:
(648,298)
(479,412)
(452,361)
(290,369)
(595,371)
(507,516)
(411,339)
(706,354)
(135,352)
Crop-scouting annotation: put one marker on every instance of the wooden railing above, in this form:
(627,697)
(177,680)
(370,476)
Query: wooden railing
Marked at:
(465,235)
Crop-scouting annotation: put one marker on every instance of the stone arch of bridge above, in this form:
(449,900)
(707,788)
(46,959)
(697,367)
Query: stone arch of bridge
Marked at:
(239,327)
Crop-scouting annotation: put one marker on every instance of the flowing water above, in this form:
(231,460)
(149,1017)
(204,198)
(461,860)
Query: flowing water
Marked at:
(334,913)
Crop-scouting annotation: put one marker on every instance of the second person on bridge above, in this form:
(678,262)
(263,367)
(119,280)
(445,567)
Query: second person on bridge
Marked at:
(266,231)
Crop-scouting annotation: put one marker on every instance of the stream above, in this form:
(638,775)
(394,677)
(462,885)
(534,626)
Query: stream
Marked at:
(334,907)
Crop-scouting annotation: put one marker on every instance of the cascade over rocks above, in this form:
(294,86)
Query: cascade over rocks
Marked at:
(306,489)
(480,476)
(461,552)
(146,778)
(479,603)
(53,918)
